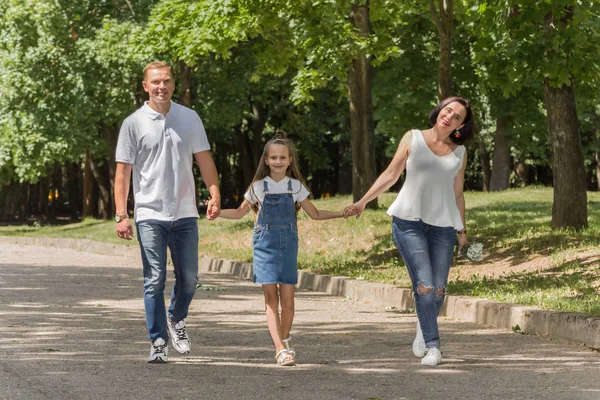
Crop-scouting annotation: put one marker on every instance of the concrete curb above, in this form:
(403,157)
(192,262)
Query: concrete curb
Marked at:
(573,327)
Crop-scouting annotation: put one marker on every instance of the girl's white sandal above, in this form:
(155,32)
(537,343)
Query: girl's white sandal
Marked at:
(288,347)
(285,358)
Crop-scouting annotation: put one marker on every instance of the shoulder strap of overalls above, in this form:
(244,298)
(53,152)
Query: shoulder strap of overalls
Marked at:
(290,186)
(265,187)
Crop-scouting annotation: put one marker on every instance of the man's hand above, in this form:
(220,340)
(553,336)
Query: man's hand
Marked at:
(125,229)
(213,209)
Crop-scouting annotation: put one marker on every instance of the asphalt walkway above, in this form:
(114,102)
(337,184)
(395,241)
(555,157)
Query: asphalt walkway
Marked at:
(72,327)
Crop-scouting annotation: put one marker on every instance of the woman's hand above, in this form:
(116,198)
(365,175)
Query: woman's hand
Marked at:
(354,209)
(462,241)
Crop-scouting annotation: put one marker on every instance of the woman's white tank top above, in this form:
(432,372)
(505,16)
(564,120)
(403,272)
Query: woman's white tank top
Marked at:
(428,191)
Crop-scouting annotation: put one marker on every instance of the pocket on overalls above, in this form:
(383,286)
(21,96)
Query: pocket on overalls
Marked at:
(258,234)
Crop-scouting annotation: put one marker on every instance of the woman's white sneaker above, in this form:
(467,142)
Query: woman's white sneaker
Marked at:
(432,358)
(419,347)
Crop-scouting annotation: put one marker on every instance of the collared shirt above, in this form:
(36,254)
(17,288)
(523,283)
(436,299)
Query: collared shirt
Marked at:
(161,149)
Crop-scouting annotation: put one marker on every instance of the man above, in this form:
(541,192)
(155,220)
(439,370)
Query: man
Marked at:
(158,143)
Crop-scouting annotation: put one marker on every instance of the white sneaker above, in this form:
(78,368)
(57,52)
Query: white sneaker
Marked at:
(419,347)
(433,357)
(158,351)
(179,337)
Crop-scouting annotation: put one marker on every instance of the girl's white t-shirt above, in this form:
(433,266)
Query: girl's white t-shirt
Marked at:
(256,193)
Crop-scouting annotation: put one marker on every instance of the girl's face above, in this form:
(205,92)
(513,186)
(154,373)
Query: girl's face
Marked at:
(452,116)
(278,158)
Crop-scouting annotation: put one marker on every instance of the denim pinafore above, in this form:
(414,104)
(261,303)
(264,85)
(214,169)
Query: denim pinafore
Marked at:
(275,239)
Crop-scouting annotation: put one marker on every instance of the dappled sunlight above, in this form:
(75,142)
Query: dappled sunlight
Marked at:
(441,370)
(88,326)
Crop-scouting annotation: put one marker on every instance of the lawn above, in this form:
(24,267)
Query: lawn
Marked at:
(525,261)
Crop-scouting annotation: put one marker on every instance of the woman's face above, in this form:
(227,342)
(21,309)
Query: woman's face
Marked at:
(452,116)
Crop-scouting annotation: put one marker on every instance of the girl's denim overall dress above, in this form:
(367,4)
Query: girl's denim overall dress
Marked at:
(275,239)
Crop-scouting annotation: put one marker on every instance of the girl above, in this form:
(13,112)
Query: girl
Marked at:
(275,196)
(429,212)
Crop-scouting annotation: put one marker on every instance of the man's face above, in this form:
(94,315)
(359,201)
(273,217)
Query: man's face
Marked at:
(159,85)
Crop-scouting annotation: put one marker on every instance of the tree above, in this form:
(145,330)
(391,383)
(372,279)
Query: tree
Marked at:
(443,17)
(362,126)
(317,39)
(66,73)
(570,46)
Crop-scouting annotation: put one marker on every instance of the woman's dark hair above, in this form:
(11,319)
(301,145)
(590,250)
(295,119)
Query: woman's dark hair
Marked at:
(466,132)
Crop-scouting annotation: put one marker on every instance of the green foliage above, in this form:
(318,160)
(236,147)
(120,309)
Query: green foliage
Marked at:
(535,40)
(65,70)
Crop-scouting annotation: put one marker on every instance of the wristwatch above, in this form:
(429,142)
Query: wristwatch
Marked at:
(121,217)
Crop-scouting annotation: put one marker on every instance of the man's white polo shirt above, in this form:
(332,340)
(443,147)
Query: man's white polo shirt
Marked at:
(161,150)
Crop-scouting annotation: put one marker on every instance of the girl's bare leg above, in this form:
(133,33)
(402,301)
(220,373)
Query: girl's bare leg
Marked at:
(272,311)
(286,293)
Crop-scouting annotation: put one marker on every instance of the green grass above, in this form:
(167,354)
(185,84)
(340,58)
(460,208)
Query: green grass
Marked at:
(569,287)
(514,226)
(89,228)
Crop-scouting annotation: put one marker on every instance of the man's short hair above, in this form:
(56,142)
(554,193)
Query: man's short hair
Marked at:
(158,65)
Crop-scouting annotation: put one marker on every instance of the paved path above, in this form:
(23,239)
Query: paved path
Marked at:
(72,327)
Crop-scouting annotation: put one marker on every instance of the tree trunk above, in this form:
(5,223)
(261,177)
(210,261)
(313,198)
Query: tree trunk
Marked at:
(501,164)
(569,209)
(246,159)
(257,125)
(55,192)
(442,19)
(43,199)
(484,158)
(27,205)
(360,83)
(110,133)
(73,189)
(100,173)
(89,184)
(185,84)
(597,153)
(597,157)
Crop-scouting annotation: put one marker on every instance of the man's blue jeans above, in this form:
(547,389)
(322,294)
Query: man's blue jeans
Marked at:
(427,252)
(181,237)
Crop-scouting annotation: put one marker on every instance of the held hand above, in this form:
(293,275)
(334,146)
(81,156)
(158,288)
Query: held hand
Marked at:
(462,241)
(125,229)
(354,209)
(213,209)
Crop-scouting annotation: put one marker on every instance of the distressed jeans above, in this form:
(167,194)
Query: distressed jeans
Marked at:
(181,237)
(427,252)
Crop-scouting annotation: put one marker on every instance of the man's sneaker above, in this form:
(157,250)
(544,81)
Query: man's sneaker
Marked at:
(158,351)
(419,347)
(433,357)
(179,337)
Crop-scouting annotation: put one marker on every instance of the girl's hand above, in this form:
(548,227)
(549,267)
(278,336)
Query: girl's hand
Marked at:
(354,209)
(462,241)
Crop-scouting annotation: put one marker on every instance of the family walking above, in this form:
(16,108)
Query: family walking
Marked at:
(158,144)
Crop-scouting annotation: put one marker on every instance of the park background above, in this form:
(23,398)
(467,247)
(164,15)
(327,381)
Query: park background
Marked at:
(346,79)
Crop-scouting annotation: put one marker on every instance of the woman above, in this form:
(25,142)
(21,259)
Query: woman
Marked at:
(429,212)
